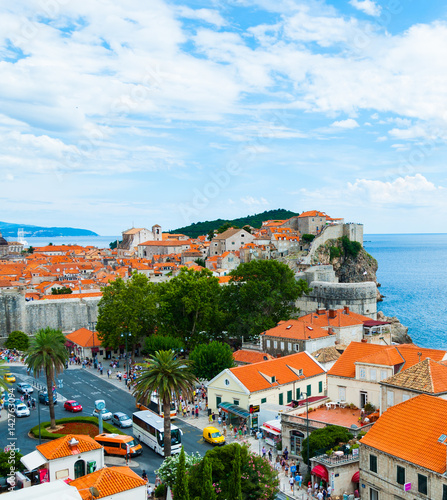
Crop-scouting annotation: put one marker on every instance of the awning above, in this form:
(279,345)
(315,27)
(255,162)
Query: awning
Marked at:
(33,460)
(356,477)
(236,410)
(273,426)
(320,471)
(272,431)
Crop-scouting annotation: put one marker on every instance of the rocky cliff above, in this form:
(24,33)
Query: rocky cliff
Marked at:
(352,264)
(399,332)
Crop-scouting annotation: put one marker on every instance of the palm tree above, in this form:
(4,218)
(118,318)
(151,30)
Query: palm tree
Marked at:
(47,353)
(169,377)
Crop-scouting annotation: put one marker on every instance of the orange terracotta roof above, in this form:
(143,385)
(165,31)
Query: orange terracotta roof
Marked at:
(342,318)
(410,431)
(84,337)
(427,376)
(295,329)
(73,295)
(109,481)
(224,279)
(59,448)
(257,376)
(249,356)
(313,213)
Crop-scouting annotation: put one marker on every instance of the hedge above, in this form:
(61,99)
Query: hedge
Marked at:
(53,435)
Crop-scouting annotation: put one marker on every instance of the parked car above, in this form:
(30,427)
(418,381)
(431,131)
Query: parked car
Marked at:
(106,414)
(43,398)
(9,377)
(213,435)
(24,388)
(21,410)
(121,419)
(72,406)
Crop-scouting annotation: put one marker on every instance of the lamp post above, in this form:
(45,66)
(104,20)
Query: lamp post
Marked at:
(127,361)
(307,425)
(38,414)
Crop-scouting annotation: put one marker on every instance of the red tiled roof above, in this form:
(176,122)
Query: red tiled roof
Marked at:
(249,356)
(296,329)
(60,448)
(410,431)
(342,317)
(84,338)
(257,376)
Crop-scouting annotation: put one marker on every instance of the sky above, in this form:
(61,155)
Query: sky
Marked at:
(130,113)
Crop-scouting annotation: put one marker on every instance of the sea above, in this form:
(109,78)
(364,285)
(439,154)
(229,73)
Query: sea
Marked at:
(412,273)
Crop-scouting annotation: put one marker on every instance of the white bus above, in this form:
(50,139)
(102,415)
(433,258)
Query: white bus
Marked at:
(148,428)
(155,406)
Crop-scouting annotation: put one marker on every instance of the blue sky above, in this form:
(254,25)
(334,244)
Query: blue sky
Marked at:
(120,113)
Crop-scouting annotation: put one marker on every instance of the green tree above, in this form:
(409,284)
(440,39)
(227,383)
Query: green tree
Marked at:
(260,294)
(307,238)
(181,491)
(127,309)
(324,439)
(227,225)
(208,492)
(156,343)
(235,481)
(10,461)
(189,306)
(210,359)
(17,340)
(47,353)
(168,469)
(61,291)
(210,234)
(200,262)
(31,249)
(351,248)
(170,378)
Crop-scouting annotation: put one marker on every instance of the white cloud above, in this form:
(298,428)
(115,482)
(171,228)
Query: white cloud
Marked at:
(367,6)
(208,15)
(346,124)
(254,202)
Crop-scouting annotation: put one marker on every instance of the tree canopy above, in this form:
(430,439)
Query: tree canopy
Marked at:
(210,359)
(17,340)
(322,439)
(127,309)
(156,343)
(189,306)
(261,293)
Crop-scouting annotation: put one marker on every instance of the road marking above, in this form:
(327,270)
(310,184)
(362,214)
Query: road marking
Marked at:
(74,383)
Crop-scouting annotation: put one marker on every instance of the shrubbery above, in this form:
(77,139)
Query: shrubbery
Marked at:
(45,434)
(325,438)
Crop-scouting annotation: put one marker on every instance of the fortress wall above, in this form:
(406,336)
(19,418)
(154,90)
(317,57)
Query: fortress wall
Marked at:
(62,314)
(361,298)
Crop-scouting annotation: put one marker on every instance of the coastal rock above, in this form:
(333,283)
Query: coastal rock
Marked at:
(399,332)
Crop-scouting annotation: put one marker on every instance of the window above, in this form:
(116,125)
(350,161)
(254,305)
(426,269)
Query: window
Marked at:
(309,390)
(281,398)
(298,393)
(289,396)
(362,373)
(444,492)
(236,402)
(406,397)
(289,346)
(422,484)
(373,374)
(320,386)
(390,398)
(275,344)
(373,494)
(263,400)
(218,401)
(400,475)
(226,382)
(373,463)
(383,374)
(282,346)
(297,347)
(342,393)
(268,343)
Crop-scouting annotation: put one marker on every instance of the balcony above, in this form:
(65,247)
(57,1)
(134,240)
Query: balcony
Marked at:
(335,459)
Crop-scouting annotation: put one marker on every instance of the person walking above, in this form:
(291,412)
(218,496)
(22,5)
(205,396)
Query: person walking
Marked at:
(264,451)
(291,482)
(270,455)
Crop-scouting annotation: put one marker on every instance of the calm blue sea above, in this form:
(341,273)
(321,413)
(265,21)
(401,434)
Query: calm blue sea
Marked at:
(413,275)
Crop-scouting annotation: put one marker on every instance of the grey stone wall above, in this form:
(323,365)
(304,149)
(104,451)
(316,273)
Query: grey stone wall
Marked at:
(361,298)
(63,314)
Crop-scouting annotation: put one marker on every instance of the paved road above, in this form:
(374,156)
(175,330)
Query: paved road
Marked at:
(85,386)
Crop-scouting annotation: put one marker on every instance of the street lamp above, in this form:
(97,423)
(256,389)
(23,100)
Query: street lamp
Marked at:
(127,361)
(307,425)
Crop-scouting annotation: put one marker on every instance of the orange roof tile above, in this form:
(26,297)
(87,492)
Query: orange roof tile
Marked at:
(295,329)
(342,318)
(109,481)
(285,370)
(410,431)
(427,376)
(313,213)
(84,338)
(249,356)
(73,296)
(59,448)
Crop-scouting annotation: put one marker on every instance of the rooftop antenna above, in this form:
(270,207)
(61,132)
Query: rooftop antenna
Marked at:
(419,355)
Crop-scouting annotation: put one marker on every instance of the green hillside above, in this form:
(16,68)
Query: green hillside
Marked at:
(255,220)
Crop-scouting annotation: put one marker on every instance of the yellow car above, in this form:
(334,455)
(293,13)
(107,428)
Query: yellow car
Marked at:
(9,377)
(213,436)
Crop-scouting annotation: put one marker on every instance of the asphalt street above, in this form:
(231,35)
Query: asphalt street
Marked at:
(86,387)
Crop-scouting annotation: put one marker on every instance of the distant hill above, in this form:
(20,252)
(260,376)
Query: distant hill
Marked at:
(10,230)
(255,220)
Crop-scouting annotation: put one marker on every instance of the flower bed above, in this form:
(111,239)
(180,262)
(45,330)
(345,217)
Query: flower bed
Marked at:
(73,425)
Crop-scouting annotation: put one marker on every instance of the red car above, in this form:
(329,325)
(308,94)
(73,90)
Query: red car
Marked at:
(72,406)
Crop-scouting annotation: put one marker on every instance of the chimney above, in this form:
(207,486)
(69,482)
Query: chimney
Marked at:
(332,313)
(320,311)
(330,331)
(346,310)
(73,445)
